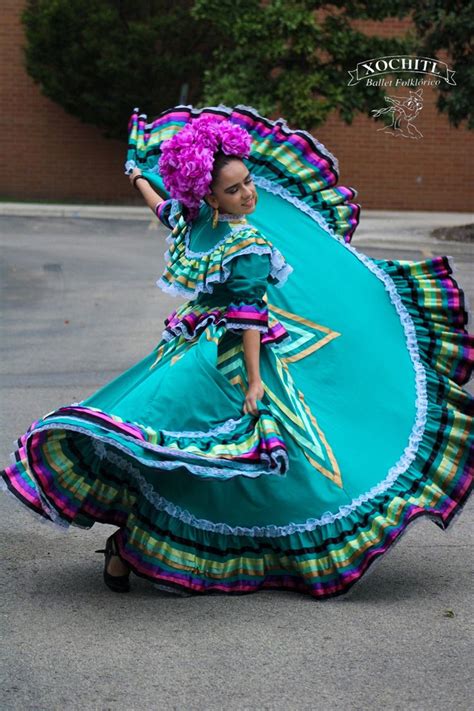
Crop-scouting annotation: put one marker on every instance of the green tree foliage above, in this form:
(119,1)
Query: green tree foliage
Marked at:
(291,58)
(99,59)
(449,25)
(279,56)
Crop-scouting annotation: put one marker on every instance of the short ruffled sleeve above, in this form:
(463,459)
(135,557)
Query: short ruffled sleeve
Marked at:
(248,282)
(168,212)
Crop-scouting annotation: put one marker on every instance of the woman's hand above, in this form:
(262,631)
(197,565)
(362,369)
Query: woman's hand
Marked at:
(134,173)
(255,392)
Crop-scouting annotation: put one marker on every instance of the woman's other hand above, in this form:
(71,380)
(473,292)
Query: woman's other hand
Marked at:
(255,392)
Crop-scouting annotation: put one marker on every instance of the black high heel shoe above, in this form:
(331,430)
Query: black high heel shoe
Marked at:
(117,583)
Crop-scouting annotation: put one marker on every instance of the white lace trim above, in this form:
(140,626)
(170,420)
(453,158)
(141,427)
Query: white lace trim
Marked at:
(227,426)
(180,329)
(60,526)
(175,209)
(280,270)
(129,166)
(229,217)
(282,192)
(275,461)
(416,435)
(163,504)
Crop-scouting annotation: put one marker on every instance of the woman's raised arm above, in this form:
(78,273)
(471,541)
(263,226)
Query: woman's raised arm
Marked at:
(151,197)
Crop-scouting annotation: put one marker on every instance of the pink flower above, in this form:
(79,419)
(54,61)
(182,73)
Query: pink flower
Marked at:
(235,140)
(187,158)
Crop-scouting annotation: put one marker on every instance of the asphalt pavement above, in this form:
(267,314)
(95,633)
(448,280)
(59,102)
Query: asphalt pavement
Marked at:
(79,306)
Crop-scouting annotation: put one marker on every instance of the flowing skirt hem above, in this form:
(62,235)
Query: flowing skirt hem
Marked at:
(322,560)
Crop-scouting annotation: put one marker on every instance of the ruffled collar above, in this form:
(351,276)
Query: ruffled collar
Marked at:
(189,273)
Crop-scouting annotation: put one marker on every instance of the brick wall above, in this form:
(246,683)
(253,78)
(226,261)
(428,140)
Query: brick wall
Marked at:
(49,155)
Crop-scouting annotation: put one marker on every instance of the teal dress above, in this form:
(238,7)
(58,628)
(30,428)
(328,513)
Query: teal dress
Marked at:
(364,424)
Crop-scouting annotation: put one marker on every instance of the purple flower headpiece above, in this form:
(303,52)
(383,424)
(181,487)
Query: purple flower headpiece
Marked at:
(187,157)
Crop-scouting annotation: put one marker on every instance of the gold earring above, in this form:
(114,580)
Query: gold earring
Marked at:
(215,217)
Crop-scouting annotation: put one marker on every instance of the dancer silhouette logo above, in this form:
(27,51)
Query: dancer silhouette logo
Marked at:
(401,110)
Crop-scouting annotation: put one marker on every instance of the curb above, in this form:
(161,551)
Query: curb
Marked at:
(96,212)
(377,227)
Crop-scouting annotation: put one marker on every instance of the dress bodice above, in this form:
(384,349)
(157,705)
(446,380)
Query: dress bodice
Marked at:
(199,257)
(225,272)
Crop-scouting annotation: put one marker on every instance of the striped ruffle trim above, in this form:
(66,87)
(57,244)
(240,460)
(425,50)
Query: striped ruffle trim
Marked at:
(191,318)
(78,464)
(292,159)
(189,276)
(323,558)
(160,208)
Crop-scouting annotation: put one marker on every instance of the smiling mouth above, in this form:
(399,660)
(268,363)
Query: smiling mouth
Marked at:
(247,204)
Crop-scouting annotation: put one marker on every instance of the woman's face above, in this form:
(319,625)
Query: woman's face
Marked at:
(234,191)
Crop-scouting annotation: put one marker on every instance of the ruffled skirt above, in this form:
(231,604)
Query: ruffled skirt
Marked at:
(304,496)
(364,425)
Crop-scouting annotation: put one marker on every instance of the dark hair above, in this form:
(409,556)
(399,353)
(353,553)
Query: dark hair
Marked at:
(220,160)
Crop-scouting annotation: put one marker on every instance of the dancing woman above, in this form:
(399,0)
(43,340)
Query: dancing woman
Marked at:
(303,405)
